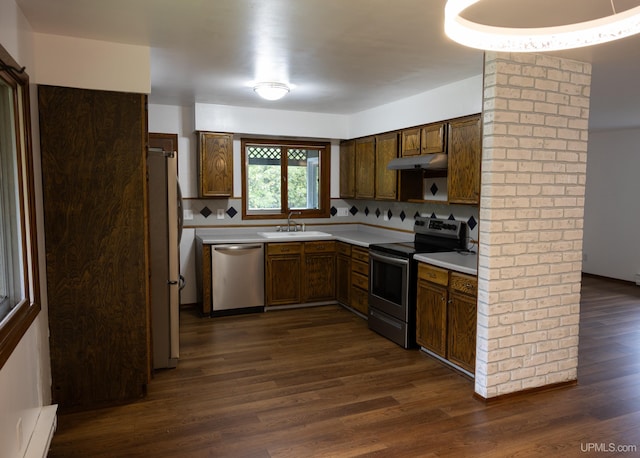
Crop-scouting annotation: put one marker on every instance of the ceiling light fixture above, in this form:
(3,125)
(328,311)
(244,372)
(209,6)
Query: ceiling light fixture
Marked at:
(271,91)
(588,33)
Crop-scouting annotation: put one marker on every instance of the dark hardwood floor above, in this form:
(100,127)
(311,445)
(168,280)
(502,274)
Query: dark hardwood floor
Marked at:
(317,382)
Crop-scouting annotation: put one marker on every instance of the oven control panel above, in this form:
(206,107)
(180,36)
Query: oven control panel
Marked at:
(437,226)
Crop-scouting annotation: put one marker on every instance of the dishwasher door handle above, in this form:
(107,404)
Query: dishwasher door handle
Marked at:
(236,247)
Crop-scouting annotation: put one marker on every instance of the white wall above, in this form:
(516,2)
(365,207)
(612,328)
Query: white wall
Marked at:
(92,64)
(25,378)
(612,207)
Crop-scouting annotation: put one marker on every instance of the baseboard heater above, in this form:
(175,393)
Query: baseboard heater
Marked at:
(43,433)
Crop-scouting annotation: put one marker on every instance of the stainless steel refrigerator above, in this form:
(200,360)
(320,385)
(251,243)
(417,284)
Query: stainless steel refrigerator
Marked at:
(165,228)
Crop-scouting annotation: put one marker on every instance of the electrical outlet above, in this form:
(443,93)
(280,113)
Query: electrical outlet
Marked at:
(220,213)
(343,211)
(188,215)
(385,217)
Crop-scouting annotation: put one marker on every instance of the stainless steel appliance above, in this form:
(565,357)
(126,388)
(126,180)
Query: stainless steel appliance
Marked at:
(165,231)
(237,278)
(393,276)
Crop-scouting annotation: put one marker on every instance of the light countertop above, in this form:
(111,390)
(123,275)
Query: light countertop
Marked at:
(464,262)
(461,262)
(359,237)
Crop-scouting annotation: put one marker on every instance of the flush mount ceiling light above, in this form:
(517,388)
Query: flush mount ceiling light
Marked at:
(271,91)
(474,35)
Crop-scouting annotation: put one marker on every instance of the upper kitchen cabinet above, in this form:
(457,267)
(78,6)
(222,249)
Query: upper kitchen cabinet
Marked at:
(427,139)
(411,142)
(433,138)
(347,169)
(365,164)
(465,152)
(215,164)
(386,181)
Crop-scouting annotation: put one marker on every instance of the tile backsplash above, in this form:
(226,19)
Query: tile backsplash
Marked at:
(389,214)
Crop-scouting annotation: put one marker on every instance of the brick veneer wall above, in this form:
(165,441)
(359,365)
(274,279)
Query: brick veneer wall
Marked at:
(536,112)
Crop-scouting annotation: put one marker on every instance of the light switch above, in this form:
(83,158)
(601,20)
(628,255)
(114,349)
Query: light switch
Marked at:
(220,213)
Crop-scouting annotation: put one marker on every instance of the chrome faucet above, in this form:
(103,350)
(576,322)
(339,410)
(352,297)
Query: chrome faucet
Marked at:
(295,227)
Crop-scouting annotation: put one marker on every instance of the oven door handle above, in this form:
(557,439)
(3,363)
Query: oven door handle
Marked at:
(388,259)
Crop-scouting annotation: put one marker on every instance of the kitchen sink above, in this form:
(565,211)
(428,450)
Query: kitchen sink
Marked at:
(293,235)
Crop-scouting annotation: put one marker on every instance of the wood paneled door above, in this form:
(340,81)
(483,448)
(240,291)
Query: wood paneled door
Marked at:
(93,146)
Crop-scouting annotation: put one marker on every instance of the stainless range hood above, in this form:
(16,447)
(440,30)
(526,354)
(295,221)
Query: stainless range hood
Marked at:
(435,161)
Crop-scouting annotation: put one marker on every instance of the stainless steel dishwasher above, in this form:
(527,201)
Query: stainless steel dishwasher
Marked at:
(237,277)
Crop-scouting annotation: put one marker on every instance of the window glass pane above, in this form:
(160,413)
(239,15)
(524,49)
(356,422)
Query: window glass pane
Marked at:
(303,180)
(264,183)
(11,288)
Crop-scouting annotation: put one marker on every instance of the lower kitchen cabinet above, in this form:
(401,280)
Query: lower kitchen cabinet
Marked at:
(446,315)
(300,272)
(431,309)
(359,293)
(343,272)
(283,273)
(462,319)
(319,271)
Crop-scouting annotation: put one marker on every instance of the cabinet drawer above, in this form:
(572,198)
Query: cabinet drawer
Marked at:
(343,248)
(433,274)
(284,248)
(360,281)
(464,284)
(360,267)
(360,254)
(328,246)
(360,300)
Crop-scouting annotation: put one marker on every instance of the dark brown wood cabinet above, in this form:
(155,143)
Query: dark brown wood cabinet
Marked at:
(343,273)
(365,167)
(431,308)
(386,181)
(465,155)
(93,147)
(462,318)
(319,282)
(283,273)
(446,315)
(347,169)
(215,164)
(359,294)
(300,272)
(430,138)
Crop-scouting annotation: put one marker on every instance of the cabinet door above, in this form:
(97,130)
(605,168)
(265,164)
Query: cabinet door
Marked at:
(386,181)
(462,331)
(343,278)
(365,168)
(283,279)
(215,171)
(347,169)
(320,277)
(433,138)
(431,317)
(359,298)
(411,142)
(465,151)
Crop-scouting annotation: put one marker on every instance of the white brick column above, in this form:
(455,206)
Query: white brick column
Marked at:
(536,112)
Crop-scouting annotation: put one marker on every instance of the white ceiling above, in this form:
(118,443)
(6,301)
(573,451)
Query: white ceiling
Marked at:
(340,56)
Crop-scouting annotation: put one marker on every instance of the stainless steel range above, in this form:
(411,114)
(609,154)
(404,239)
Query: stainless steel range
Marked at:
(393,276)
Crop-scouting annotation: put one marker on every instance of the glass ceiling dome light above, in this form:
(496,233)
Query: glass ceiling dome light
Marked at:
(588,33)
(271,91)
